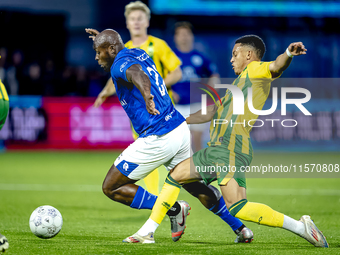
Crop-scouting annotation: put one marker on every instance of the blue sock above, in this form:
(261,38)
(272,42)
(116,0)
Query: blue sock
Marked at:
(221,210)
(143,199)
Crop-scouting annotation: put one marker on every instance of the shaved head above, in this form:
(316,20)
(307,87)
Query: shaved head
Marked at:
(106,38)
(107,45)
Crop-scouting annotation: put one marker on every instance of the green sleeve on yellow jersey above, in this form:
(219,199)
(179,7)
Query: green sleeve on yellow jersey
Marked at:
(168,58)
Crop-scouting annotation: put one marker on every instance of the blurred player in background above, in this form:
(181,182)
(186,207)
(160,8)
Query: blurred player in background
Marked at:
(137,16)
(4,107)
(194,65)
(230,145)
(4,104)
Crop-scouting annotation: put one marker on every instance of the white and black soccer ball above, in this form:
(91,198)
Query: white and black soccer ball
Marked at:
(46,221)
(3,243)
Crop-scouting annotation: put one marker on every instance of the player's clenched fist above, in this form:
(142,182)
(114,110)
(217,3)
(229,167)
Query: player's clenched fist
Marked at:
(297,49)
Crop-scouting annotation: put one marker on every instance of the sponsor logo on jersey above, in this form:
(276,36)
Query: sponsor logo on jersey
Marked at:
(123,102)
(169,116)
(143,57)
(122,66)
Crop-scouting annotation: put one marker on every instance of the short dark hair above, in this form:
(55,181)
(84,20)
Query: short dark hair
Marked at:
(183,24)
(254,41)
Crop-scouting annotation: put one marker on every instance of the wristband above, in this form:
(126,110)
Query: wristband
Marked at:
(289,54)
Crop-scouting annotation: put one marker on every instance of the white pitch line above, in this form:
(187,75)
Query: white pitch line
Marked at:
(97,188)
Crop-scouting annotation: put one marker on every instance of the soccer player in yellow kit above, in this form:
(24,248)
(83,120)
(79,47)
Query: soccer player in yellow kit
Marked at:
(4,104)
(137,16)
(4,107)
(230,146)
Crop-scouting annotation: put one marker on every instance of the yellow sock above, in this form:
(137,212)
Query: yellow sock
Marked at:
(165,200)
(258,213)
(152,182)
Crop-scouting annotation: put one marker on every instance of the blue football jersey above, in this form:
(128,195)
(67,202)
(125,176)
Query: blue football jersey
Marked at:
(194,65)
(132,100)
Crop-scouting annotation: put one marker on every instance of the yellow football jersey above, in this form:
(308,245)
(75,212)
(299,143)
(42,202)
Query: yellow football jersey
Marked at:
(3,92)
(236,135)
(165,59)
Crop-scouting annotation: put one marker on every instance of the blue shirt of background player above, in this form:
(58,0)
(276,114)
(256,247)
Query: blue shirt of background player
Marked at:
(194,65)
(132,100)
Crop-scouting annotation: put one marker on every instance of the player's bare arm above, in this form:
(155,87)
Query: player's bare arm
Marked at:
(198,117)
(173,77)
(138,77)
(214,79)
(107,91)
(283,61)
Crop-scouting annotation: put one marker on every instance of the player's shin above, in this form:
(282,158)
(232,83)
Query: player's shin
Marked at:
(212,199)
(143,199)
(256,212)
(166,199)
(221,210)
(164,202)
(264,215)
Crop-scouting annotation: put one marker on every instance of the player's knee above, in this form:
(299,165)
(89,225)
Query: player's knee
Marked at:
(106,190)
(109,190)
(177,177)
(181,172)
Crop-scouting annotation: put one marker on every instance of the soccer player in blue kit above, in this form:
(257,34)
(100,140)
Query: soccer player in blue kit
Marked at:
(194,66)
(164,139)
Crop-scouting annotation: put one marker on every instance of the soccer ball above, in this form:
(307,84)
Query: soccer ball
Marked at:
(46,221)
(3,243)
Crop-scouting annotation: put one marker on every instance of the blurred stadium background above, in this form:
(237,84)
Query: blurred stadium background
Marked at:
(47,65)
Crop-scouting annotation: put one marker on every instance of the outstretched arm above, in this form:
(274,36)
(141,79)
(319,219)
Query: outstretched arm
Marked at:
(107,91)
(198,117)
(138,77)
(173,77)
(283,61)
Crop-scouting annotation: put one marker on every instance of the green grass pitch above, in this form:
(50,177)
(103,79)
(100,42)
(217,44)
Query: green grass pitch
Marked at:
(71,182)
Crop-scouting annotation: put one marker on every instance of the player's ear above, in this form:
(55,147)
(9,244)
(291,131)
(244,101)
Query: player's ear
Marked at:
(112,49)
(249,54)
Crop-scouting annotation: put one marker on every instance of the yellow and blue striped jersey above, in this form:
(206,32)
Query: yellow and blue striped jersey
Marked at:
(236,136)
(3,92)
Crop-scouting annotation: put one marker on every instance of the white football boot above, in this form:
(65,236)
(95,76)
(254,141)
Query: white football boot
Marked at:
(312,234)
(136,238)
